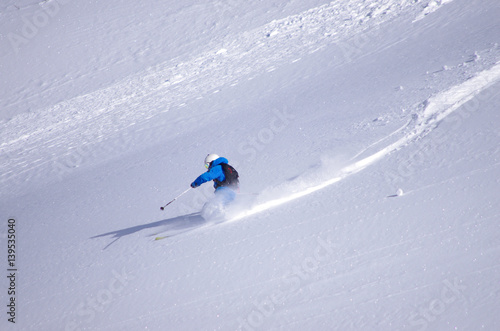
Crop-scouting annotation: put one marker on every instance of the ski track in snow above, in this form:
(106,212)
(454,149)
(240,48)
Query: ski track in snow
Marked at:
(73,129)
(436,109)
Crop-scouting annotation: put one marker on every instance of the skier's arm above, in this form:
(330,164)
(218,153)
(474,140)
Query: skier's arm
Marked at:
(213,173)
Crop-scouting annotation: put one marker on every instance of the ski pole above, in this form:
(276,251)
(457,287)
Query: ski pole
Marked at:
(163,207)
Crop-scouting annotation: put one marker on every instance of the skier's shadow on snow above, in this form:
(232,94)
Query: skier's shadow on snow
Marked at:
(174,226)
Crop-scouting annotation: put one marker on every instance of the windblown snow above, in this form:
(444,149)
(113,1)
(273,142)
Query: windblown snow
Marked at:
(365,134)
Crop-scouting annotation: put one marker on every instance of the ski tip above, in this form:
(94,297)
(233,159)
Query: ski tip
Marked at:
(160,238)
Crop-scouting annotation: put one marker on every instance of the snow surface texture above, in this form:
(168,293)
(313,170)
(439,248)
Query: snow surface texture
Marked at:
(365,134)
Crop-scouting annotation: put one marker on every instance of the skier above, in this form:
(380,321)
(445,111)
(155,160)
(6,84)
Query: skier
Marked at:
(225,183)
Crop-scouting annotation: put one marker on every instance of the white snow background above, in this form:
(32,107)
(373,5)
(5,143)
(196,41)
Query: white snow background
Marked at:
(366,135)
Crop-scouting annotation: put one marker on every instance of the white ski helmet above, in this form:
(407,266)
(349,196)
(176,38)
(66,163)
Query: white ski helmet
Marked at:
(209,159)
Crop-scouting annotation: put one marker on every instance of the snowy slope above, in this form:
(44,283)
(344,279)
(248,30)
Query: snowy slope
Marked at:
(326,110)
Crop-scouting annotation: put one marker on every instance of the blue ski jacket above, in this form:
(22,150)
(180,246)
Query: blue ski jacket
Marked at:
(214,172)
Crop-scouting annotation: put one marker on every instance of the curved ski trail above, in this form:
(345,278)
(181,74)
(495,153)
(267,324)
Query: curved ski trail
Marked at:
(436,109)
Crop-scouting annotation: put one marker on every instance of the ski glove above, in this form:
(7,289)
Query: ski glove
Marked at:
(194,185)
